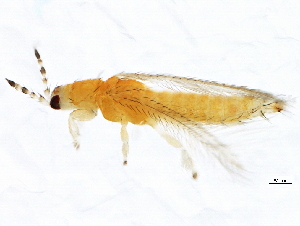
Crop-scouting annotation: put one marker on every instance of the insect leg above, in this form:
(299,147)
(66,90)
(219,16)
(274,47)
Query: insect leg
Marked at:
(187,163)
(43,73)
(186,159)
(125,146)
(79,115)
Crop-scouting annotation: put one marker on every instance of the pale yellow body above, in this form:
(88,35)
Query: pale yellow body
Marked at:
(178,116)
(179,112)
(131,101)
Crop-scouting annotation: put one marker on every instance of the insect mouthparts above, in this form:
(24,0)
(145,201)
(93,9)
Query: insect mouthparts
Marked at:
(54,103)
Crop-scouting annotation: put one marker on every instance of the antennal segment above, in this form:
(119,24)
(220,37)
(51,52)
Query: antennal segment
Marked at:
(23,89)
(43,73)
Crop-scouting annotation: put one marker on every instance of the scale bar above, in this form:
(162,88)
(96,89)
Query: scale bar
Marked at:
(280,183)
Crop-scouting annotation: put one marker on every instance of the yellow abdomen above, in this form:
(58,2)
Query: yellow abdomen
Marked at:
(132,101)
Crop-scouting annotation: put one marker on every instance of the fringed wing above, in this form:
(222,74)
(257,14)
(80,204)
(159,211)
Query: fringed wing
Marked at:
(194,85)
(195,138)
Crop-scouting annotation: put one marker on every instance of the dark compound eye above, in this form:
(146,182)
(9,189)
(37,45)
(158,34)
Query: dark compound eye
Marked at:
(54,103)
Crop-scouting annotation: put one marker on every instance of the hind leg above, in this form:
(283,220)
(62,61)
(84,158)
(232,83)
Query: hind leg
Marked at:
(186,159)
(187,163)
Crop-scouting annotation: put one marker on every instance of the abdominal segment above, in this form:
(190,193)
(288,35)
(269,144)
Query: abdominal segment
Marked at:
(204,108)
(132,101)
(214,109)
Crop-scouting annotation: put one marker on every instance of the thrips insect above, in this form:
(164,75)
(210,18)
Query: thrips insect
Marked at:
(179,110)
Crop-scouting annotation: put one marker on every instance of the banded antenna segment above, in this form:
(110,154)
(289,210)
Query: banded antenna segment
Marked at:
(42,99)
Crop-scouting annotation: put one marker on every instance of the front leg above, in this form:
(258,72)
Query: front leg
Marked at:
(79,115)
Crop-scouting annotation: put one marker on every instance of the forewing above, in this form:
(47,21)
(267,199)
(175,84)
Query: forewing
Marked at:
(181,84)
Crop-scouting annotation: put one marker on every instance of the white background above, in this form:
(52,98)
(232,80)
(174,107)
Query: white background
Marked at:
(44,181)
